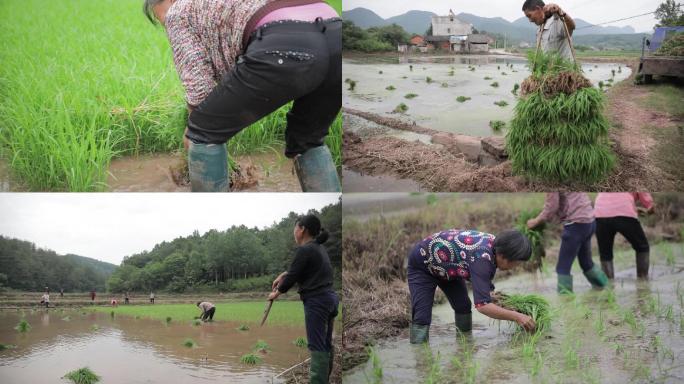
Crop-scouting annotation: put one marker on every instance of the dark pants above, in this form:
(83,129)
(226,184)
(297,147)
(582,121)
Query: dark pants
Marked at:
(126,300)
(575,242)
(422,286)
(319,315)
(209,315)
(152,300)
(283,62)
(629,227)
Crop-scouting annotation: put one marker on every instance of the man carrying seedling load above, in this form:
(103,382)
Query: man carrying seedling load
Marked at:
(446,260)
(240,60)
(575,212)
(552,33)
(208,310)
(312,271)
(617,213)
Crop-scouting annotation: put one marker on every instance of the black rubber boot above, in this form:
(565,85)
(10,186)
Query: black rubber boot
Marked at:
(642,261)
(464,321)
(607,267)
(419,334)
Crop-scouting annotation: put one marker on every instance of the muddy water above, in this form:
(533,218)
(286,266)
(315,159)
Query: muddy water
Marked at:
(436,106)
(126,350)
(273,172)
(619,354)
(359,182)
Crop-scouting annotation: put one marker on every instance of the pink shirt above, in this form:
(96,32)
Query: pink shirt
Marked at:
(621,203)
(307,12)
(568,207)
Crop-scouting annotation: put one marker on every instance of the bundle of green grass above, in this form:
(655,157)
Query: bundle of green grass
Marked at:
(534,306)
(536,237)
(559,132)
(673,46)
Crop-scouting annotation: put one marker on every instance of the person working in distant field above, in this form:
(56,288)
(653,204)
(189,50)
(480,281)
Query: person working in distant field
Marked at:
(126,298)
(151,297)
(114,303)
(617,213)
(241,60)
(575,212)
(61,292)
(552,35)
(208,310)
(312,271)
(45,299)
(446,260)
(92,296)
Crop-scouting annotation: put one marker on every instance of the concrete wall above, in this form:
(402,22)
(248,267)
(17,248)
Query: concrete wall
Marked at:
(448,25)
(479,47)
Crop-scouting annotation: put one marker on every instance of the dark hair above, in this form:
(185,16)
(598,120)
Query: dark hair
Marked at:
(148,10)
(531,5)
(313,226)
(513,245)
(198,303)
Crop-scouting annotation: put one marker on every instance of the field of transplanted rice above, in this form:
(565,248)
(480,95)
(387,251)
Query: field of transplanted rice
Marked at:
(83,82)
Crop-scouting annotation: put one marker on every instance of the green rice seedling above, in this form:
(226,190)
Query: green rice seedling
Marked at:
(668,313)
(190,343)
(390,88)
(599,325)
(613,72)
(243,327)
(66,318)
(137,317)
(515,89)
(197,322)
(352,85)
(300,342)
(404,77)
(401,108)
(495,84)
(559,131)
(535,235)
(112,314)
(531,305)
(610,82)
(497,125)
(168,320)
(428,80)
(669,256)
(619,349)
(411,68)
(23,326)
(472,69)
(572,360)
(4,347)
(487,78)
(451,73)
(261,346)
(620,69)
(376,364)
(82,376)
(463,99)
(250,359)
(445,85)
(94,327)
(434,375)
(379,72)
(410,96)
(504,74)
(501,103)
(464,362)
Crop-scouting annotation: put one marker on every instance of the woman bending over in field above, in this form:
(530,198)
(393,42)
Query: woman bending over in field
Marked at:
(312,271)
(446,260)
(240,60)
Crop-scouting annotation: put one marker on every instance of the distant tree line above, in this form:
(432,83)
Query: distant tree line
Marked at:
(374,39)
(236,259)
(24,266)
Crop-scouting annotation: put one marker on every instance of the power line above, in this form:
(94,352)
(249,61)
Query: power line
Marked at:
(614,21)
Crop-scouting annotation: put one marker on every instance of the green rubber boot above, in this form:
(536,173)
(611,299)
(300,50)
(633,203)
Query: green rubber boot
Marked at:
(316,171)
(464,321)
(564,284)
(419,333)
(642,261)
(208,166)
(596,277)
(318,371)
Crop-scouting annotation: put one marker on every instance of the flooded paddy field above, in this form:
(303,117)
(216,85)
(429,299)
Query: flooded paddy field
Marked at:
(430,86)
(134,349)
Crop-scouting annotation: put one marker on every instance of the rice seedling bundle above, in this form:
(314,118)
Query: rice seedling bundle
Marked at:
(559,132)
(261,346)
(23,326)
(190,343)
(82,376)
(250,359)
(535,235)
(300,342)
(532,305)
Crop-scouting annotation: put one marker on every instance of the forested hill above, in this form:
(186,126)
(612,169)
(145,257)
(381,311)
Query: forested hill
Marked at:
(26,267)
(235,259)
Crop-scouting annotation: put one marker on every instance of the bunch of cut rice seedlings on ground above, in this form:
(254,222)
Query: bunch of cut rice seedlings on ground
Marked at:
(559,132)
(250,359)
(261,346)
(300,342)
(23,326)
(243,327)
(497,125)
(535,235)
(463,99)
(6,346)
(190,343)
(82,376)
(532,305)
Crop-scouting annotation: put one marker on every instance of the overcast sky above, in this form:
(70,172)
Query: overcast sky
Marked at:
(109,226)
(593,11)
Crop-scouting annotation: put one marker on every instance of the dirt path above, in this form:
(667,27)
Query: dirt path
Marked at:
(437,169)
